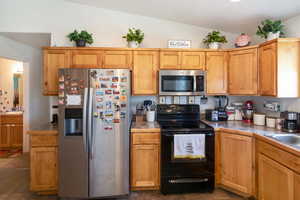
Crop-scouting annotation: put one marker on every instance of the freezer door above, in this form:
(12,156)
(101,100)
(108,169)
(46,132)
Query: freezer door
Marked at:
(73,152)
(109,150)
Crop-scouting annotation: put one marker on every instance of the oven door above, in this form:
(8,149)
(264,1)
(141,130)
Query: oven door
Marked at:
(187,167)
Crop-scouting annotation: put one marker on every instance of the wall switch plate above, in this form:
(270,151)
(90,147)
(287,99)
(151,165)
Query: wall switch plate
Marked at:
(162,100)
(191,99)
(176,100)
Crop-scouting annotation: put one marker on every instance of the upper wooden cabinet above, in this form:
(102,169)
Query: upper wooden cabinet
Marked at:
(193,60)
(275,181)
(117,59)
(236,162)
(216,74)
(243,71)
(170,60)
(145,70)
(86,58)
(53,60)
(182,60)
(279,68)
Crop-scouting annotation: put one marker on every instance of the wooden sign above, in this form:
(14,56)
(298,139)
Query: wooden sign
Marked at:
(179,44)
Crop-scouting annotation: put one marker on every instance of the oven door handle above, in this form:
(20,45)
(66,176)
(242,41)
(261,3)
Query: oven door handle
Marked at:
(170,135)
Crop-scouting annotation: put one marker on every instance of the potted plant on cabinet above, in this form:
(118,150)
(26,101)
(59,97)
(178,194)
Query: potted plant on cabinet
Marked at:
(81,38)
(270,30)
(214,39)
(134,37)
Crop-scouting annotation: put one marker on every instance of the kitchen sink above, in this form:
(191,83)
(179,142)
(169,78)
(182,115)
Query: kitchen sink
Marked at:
(289,139)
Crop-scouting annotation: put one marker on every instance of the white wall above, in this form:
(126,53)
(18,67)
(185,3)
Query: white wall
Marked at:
(36,106)
(60,18)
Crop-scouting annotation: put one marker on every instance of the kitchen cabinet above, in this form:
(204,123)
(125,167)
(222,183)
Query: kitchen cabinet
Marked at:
(53,60)
(43,169)
(145,72)
(279,68)
(216,74)
(296,186)
(117,59)
(276,182)
(243,71)
(43,161)
(145,161)
(184,60)
(170,60)
(236,162)
(11,131)
(86,58)
(193,60)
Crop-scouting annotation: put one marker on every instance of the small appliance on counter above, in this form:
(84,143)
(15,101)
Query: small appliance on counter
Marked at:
(291,122)
(259,119)
(248,110)
(238,110)
(219,113)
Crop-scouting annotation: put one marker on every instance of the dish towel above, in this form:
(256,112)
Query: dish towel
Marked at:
(190,146)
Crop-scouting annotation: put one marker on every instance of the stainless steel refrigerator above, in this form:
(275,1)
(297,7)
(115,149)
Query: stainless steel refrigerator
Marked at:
(94,120)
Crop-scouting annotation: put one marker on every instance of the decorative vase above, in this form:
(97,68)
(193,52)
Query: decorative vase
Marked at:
(272,36)
(133,44)
(80,43)
(214,45)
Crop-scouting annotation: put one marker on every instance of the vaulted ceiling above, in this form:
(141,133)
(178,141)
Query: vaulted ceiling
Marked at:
(235,17)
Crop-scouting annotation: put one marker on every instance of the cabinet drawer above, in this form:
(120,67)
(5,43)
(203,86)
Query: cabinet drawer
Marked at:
(283,157)
(145,138)
(44,140)
(11,119)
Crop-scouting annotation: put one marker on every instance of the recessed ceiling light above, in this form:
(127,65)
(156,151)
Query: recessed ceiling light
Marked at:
(235,0)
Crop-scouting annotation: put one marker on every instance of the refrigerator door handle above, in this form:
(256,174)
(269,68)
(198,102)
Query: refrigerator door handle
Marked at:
(90,122)
(84,124)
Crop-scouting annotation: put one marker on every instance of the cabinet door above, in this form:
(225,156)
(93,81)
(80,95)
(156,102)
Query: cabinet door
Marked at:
(170,60)
(236,162)
(86,59)
(216,74)
(145,166)
(268,70)
(193,60)
(145,67)
(297,186)
(117,59)
(4,136)
(43,169)
(16,135)
(53,60)
(243,72)
(275,182)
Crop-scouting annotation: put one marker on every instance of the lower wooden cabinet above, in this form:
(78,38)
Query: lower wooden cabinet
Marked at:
(43,169)
(145,161)
(236,162)
(43,162)
(275,181)
(11,131)
(297,186)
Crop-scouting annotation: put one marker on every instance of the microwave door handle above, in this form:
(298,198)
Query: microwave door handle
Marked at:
(85,118)
(195,83)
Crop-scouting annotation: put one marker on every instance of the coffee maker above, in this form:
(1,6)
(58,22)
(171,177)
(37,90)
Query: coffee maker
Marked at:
(291,122)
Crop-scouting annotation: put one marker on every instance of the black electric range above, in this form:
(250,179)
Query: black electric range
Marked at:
(185,175)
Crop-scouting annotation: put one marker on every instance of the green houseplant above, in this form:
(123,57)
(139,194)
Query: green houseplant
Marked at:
(81,38)
(214,39)
(270,29)
(134,37)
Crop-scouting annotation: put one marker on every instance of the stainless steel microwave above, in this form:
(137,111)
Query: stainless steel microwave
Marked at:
(182,82)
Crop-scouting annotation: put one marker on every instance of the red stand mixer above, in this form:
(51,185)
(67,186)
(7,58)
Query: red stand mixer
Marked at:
(248,111)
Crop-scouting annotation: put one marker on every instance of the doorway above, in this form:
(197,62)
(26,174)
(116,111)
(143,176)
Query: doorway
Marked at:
(11,108)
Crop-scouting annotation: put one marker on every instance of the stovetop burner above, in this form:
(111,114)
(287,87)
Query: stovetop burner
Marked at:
(185,126)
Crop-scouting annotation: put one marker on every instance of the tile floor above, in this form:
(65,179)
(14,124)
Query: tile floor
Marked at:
(14,185)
